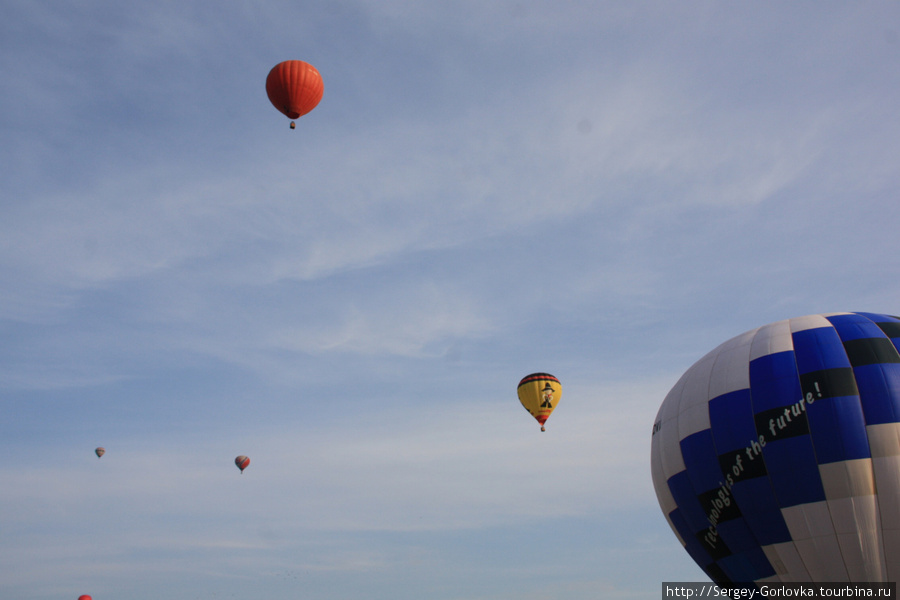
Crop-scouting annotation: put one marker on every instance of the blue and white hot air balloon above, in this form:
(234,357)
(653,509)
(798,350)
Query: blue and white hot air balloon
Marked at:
(776,457)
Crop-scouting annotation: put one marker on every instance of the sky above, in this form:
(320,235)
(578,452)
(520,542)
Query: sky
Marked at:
(601,191)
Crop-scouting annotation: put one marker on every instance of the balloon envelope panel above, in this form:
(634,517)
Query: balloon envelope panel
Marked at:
(776,457)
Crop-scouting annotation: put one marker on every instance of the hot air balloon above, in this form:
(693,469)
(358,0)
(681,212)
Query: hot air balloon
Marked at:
(84,597)
(539,393)
(242,462)
(776,457)
(294,87)
(100,451)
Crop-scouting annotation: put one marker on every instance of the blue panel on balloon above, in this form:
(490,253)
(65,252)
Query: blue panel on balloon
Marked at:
(769,527)
(686,499)
(774,381)
(889,325)
(755,495)
(713,543)
(691,544)
(838,429)
(696,550)
(871,351)
(879,391)
(715,573)
(853,326)
(680,525)
(793,471)
(879,318)
(819,349)
(731,420)
(737,535)
(747,566)
(701,461)
(761,511)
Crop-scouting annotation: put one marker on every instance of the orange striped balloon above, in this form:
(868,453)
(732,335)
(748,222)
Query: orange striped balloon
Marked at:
(294,87)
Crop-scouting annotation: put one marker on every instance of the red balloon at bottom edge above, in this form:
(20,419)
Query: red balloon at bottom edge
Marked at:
(84,597)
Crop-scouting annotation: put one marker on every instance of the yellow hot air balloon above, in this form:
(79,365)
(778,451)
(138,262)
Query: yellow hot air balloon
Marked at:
(539,393)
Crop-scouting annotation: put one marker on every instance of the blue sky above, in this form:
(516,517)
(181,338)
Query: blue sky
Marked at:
(602,191)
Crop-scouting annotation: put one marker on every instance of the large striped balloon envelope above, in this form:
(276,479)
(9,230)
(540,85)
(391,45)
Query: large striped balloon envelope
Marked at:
(776,457)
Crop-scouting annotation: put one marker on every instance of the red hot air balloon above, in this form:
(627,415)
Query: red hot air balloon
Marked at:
(242,462)
(100,451)
(294,87)
(84,597)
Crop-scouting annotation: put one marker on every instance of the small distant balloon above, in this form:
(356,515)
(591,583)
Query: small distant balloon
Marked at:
(294,87)
(539,393)
(100,451)
(242,462)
